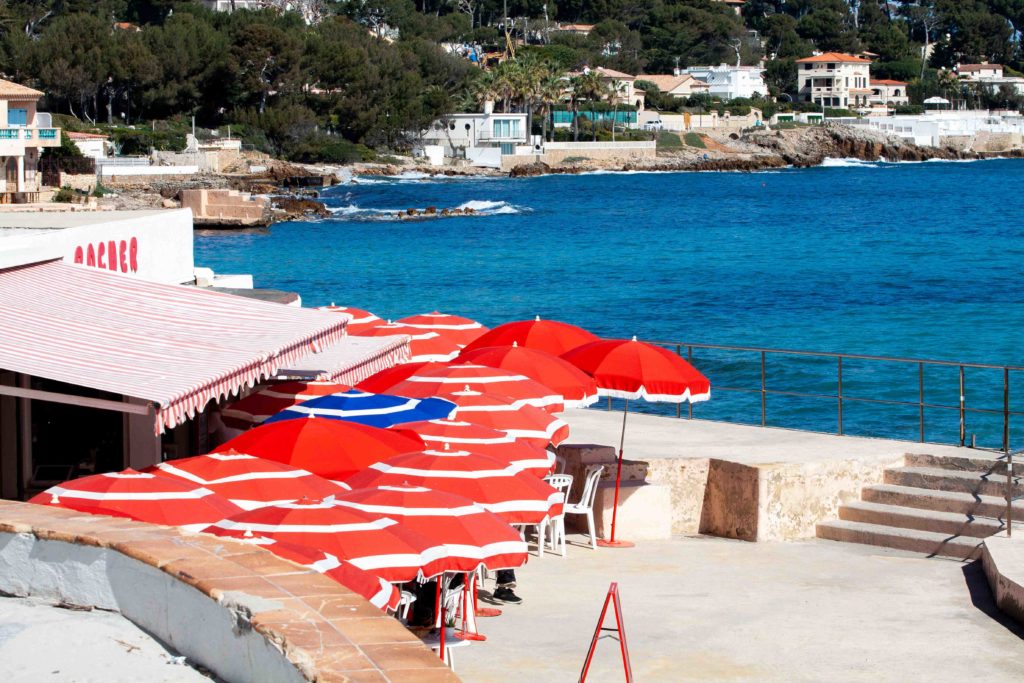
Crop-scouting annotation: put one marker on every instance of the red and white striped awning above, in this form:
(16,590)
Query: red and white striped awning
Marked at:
(173,346)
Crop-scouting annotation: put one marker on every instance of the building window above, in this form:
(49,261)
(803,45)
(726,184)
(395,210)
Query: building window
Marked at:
(831,66)
(506,128)
(17,117)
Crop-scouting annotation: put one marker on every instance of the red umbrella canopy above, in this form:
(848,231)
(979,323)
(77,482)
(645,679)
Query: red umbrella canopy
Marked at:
(470,533)
(140,496)
(334,449)
(424,346)
(378,592)
(247,481)
(460,330)
(380,382)
(633,370)
(507,491)
(372,543)
(577,388)
(521,422)
(485,441)
(544,335)
(361,319)
(445,379)
(258,406)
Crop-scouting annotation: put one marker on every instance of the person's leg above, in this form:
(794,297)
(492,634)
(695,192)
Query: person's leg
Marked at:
(506,581)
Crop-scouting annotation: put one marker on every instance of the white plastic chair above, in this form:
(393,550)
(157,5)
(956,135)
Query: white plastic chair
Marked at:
(560,464)
(585,506)
(404,604)
(556,526)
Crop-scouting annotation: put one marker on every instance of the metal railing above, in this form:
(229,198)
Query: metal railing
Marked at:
(765,358)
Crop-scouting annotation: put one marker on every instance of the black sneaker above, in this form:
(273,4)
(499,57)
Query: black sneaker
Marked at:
(507,596)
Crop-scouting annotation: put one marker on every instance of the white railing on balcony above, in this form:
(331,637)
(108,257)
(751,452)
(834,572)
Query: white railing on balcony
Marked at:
(29,134)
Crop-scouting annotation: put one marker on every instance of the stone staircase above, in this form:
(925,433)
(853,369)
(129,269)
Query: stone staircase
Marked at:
(936,505)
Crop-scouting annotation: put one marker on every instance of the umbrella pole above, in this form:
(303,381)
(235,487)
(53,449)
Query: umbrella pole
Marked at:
(612,542)
(440,612)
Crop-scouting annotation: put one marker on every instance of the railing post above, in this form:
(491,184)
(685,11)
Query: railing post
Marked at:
(679,406)
(1006,409)
(1009,492)
(839,393)
(689,404)
(920,399)
(764,394)
(963,414)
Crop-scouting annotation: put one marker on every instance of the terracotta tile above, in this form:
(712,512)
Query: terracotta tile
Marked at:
(349,676)
(401,656)
(215,587)
(308,583)
(191,570)
(341,606)
(69,536)
(157,553)
(374,631)
(341,658)
(135,535)
(313,636)
(13,527)
(264,562)
(441,674)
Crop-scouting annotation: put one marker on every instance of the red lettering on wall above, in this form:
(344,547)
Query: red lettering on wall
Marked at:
(90,257)
(112,255)
(78,254)
(123,256)
(101,249)
(133,255)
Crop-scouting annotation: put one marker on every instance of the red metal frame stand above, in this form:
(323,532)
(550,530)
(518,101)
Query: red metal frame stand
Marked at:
(612,597)
(468,630)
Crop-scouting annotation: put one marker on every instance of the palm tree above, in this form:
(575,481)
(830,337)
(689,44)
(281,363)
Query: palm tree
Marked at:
(484,88)
(549,93)
(593,90)
(576,93)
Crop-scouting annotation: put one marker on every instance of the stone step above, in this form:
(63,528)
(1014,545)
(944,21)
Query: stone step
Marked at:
(927,542)
(941,501)
(970,461)
(950,523)
(952,480)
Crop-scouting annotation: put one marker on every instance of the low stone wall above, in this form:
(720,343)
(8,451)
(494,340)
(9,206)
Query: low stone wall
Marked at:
(79,181)
(1002,558)
(557,153)
(233,608)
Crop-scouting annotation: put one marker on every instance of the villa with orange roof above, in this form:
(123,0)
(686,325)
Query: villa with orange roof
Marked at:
(677,85)
(24,133)
(834,79)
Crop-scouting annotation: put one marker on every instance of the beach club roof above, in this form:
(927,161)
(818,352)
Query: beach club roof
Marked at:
(834,57)
(173,348)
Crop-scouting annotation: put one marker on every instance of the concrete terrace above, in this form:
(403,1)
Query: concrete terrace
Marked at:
(709,609)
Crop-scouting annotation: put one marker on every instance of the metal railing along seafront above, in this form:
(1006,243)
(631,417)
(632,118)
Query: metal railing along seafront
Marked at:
(951,402)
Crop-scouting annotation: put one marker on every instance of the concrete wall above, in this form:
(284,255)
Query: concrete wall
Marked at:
(557,152)
(224,204)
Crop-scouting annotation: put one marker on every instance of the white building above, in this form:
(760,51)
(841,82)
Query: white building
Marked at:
(679,86)
(24,133)
(731,82)
(940,128)
(990,76)
(92,145)
(482,138)
(888,93)
(834,79)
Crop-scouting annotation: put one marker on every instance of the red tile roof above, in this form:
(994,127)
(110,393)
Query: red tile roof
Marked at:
(978,67)
(834,57)
(885,81)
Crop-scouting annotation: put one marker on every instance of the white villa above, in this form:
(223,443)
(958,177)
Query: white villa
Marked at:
(731,82)
(623,84)
(886,93)
(834,79)
(677,85)
(22,139)
(482,138)
(991,75)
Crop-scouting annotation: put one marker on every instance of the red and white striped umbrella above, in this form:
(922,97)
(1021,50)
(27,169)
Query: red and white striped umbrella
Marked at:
(361,319)
(577,388)
(375,544)
(522,422)
(247,481)
(425,345)
(378,592)
(257,407)
(448,378)
(507,491)
(471,534)
(544,335)
(333,449)
(485,441)
(380,382)
(140,496)
(460,330)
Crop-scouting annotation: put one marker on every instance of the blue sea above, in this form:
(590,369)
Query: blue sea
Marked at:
(912,260)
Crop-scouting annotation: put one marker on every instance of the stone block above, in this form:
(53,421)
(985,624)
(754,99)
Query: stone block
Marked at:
(645,511)
(731,500)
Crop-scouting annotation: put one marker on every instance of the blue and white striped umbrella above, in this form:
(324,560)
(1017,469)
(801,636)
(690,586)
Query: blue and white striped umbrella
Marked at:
(375,410)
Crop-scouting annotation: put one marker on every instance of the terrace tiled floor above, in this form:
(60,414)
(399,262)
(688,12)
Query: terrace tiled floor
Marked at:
(712,609)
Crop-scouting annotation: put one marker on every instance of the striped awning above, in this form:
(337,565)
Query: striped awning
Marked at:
(174,346)
(351,361)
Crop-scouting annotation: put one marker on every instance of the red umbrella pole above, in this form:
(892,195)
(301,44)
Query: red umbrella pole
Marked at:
(612,542)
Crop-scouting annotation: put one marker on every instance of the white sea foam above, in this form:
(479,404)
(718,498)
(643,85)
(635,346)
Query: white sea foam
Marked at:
(480,207)
(830,162)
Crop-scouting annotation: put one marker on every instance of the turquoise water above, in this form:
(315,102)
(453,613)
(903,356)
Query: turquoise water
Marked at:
(918,260)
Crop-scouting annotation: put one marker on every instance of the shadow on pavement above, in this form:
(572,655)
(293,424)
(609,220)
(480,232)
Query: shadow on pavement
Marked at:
(984,601)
